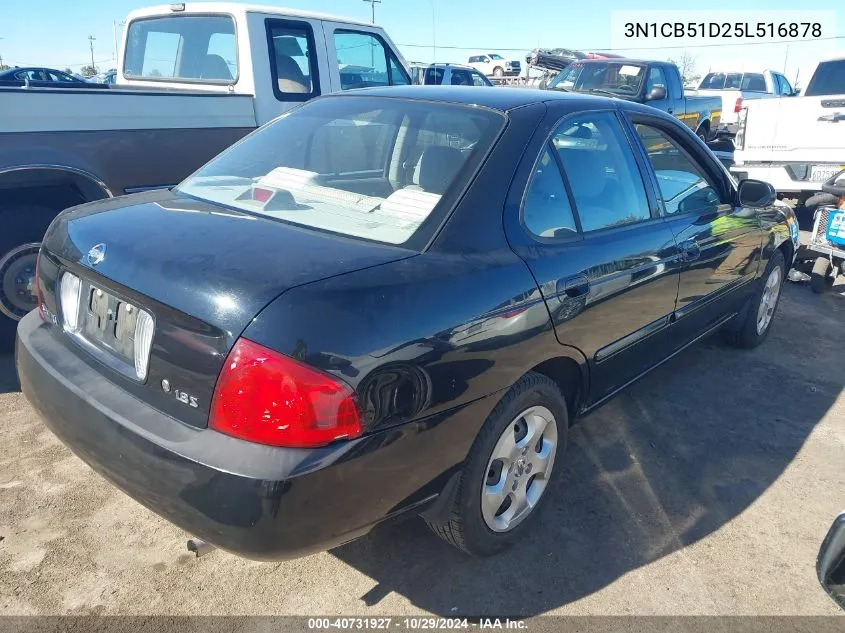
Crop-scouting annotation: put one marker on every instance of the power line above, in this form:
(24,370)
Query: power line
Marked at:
(640,48)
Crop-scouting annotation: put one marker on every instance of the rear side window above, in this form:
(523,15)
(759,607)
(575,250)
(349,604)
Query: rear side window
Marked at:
(546,211)
(199,48)
(684,187)
(293,65)
(829,79)
(460,78)
(604,178)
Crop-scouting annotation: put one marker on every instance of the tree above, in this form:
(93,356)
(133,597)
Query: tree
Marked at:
(155,72)
(88,71)
(68,70)
(687,67)
(4,67)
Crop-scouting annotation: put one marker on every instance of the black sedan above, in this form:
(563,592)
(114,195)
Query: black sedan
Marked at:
(39,74)
(387,302)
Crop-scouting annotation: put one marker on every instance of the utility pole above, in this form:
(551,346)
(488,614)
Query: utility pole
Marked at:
(115,24)
(91,39)
(1,58)
(373,4)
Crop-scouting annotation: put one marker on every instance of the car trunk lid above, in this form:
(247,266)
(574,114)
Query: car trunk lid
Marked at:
(202,271)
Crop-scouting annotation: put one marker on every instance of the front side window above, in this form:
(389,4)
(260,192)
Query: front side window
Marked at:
(460,78)
(656,78)
(191,48)
(292,63)
(684,186)
(606,184)
(398,76)
(365,167)
(496,56)
(479,80)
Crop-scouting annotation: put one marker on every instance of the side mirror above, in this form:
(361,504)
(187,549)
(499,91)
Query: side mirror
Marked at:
(756,193)
(657,93)
(830,565)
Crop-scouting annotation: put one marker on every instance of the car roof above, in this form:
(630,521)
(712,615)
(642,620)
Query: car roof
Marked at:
(18,69)
(237,8)
(502,98)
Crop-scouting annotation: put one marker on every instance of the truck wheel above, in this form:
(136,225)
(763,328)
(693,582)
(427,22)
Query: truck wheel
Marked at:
(510,470)
(821,279)
(23,228)
(498,71)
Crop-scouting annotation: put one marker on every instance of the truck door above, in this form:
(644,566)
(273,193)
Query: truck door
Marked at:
(289,63)
(361,57)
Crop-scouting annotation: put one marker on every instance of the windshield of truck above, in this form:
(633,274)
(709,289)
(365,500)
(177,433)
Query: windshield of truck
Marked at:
(829,79)
(622,78)
(368,167)
(495,56)
(193,48)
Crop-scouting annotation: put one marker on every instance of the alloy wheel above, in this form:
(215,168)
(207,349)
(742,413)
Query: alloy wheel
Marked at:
(519,469)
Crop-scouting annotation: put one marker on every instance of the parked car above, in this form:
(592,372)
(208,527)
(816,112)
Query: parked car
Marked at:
(169,113)
(494,65)
(40,75)
(657,84)
(554,59)
(735,88)
(451,75)
(797,144)
(830,564)
(275,355)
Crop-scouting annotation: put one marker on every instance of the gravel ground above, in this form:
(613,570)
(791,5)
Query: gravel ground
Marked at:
(704,489)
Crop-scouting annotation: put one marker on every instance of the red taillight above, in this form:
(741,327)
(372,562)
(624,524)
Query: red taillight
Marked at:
(511,313)
(265,397)
(261,195)
(738,105)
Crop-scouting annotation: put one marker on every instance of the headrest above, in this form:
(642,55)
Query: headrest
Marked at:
(437,168)
(215,67)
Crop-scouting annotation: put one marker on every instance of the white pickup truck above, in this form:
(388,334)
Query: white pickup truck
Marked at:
(736,88)
(191,80)
(796,144)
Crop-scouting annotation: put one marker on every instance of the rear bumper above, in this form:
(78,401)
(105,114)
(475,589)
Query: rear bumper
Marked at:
(777,175)
(259,502)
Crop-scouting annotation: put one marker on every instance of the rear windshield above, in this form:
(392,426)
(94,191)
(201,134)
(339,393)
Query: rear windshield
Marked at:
(752,82)
(829,79)
(198,48)
(368,167)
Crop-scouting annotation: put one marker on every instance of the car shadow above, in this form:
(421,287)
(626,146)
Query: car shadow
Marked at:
(659,467)
(8,374)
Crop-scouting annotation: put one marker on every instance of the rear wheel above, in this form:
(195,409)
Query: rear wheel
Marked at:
(510,468)
(821,278)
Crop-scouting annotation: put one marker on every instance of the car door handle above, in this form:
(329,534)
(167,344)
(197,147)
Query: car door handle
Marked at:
(690,250)
(574,287)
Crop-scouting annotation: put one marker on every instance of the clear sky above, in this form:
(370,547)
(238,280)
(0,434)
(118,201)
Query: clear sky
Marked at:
(55,32)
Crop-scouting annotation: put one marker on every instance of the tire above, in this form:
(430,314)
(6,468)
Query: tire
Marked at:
(819,199)
(464,525)
(702,134)
(498,71)
(23,228)
(821,278)
(749,334)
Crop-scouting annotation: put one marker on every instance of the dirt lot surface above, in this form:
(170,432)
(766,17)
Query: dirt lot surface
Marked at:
(704,489)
